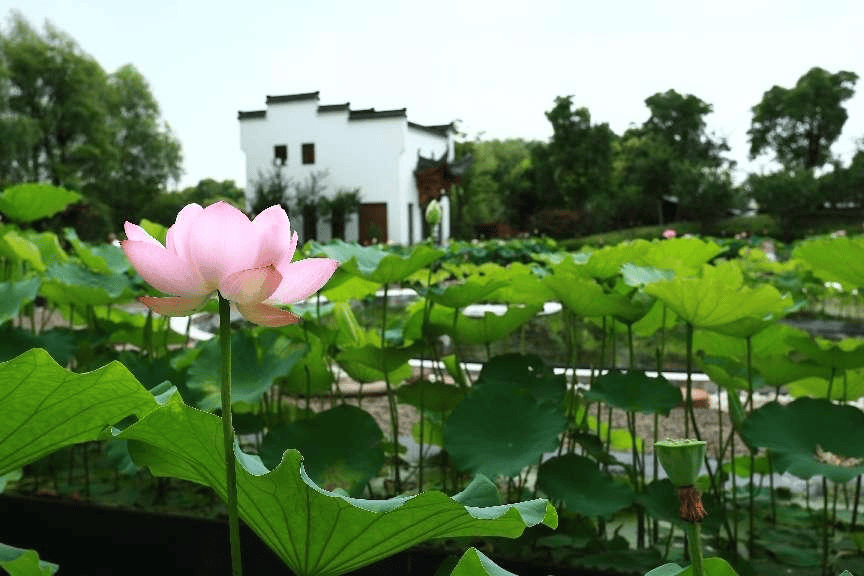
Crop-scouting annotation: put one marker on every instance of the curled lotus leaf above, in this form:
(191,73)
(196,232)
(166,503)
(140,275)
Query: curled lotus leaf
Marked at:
(315,532)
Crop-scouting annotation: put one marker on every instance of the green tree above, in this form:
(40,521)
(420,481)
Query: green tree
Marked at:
(580,153)
(271,189)
(64,120)
(791,196)
(800,124)
(143,155)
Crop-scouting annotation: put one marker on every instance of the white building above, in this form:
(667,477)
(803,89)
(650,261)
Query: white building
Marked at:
(379,152)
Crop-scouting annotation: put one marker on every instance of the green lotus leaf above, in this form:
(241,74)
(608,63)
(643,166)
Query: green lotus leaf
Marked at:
(685,256)
(251,374)
(834,259)
(343,286)
(315,532)
(46,407)
(634,275)
(156,230)
(350,333)
(60,343)
(846,354)
(512,415)
(376,265)
(470,330)
(370,363)
(585,297)
(847,387)
(659,316)
(521,286)
(578,483)
(711,567)
(781,370)
(831,443)
(70,283)
(310,374)
(19,562)
(660,499)
(718,297)
(341,447)
(48,245)
(471,291)
(729,374)
(31,202)
(635,391)
(432,428)
(432,396)
(607,262)
(14,295)
(475,563)
(20,249)
(103,259)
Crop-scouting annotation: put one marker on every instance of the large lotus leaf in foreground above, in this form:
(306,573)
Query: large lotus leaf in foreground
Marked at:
(314,531)
(44,407)
(809,437)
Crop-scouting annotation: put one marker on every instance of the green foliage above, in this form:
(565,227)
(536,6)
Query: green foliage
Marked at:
(511,417)
(82,407)
(578,483)
(475,563)
(13,295)
(831,443)
(252,373)
(29,202)
(635,391)
(18,562)
(285,508)
(800,124)
(73,125)
(580,154)
(341,447)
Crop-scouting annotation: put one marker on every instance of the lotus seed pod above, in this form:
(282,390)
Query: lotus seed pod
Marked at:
(681,459)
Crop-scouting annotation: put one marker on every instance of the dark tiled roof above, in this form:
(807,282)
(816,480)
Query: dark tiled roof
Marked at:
(438,130)
(292,97)
(334,107)
(372,114)
(241,115)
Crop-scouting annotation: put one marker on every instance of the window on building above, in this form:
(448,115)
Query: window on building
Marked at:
(308,153)
(280,154)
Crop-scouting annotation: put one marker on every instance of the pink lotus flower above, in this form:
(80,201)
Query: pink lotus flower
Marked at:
(670,233)
(219,248)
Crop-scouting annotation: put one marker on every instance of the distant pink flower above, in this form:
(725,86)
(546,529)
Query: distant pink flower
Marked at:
(219,248)
(670,233)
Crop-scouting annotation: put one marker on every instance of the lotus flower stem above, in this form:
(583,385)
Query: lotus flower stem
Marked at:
(855,505)
(694,533)
(228,435)
(751,505)
(391,397)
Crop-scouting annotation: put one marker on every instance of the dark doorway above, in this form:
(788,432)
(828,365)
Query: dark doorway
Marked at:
(373,223)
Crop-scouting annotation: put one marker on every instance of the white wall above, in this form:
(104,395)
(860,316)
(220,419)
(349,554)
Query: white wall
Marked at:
(378,155)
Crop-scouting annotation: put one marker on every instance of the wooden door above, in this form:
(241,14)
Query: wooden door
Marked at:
(373,223)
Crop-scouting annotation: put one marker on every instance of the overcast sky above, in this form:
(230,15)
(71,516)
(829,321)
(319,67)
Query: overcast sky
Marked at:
(494,66)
